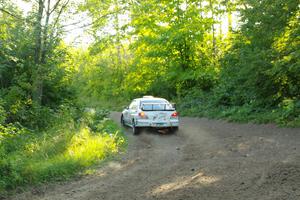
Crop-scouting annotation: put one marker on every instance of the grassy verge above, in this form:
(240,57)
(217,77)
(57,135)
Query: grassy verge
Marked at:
(29,157)
(205,105)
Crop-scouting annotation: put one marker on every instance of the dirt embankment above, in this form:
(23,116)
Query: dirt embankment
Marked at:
(206,159)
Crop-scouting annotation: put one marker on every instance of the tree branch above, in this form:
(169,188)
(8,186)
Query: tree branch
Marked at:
(55,6)
(60,12)
(11,14)
(92,23)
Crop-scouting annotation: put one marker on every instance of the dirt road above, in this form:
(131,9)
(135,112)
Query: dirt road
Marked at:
(206,159)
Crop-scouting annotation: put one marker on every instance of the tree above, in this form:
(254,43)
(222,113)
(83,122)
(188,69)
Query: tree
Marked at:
(20,75)
(44,39)
(249,70)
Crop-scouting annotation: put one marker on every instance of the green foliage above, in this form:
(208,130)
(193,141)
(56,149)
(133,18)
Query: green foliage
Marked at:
(251,71)
(46,134)
(28,157)
(259,78)
(93,118)
(175,49)
(164,50)
(203,104)
(290,112)
(3,114)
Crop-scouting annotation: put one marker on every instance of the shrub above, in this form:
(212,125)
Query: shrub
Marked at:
(289,111)
(2,114)
(212,105)
(30,157)
(92,117)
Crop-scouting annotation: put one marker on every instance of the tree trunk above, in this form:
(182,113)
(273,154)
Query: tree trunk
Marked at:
(118,42)
(213,28)
(37,84)
(229,15)
(45,35)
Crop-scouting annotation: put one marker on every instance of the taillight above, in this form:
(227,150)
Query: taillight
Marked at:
(143,115)
(175,114)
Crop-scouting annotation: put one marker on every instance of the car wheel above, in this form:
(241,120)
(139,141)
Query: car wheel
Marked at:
(135,130)
(122,120)
(174,129)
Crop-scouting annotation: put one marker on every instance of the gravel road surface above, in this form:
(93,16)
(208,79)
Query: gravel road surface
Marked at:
(204,160)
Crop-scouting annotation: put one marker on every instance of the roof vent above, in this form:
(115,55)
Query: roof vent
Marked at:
(148,97)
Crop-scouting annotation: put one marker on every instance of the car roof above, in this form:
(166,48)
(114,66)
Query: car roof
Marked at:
(150,98)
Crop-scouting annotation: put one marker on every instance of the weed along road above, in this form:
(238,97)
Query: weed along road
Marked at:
(206,159)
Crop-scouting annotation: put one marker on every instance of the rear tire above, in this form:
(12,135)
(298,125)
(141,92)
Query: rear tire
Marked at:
(174,129)
(135,130)
(122,120)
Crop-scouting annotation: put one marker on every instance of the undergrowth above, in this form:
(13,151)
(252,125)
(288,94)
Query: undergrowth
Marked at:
(30,157)
(202,104)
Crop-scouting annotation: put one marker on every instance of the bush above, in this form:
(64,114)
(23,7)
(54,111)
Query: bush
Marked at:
(2,114)
(213,105)
(289,111)
(30,157)
(92,117)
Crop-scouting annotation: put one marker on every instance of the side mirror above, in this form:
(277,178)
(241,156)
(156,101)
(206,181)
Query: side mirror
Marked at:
(126,107)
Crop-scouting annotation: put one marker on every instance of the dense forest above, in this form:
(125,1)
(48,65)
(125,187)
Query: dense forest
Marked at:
(219,58)
(232,59)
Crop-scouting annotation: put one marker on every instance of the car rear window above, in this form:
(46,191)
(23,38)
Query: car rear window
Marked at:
(156,105)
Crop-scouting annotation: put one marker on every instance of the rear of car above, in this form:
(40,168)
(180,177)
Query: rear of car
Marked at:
(151,112)
(157,114)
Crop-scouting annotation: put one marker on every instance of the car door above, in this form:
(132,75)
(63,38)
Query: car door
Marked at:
(132,111)
(127,112)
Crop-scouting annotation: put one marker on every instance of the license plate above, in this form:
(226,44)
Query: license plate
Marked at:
(162,117)
(159,124)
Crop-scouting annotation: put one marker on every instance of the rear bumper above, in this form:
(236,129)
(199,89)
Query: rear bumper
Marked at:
(165,124)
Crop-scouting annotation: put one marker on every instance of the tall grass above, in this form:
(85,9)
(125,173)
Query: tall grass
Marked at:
(28,158)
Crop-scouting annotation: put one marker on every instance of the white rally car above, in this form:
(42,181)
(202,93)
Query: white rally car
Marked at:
(150,112)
